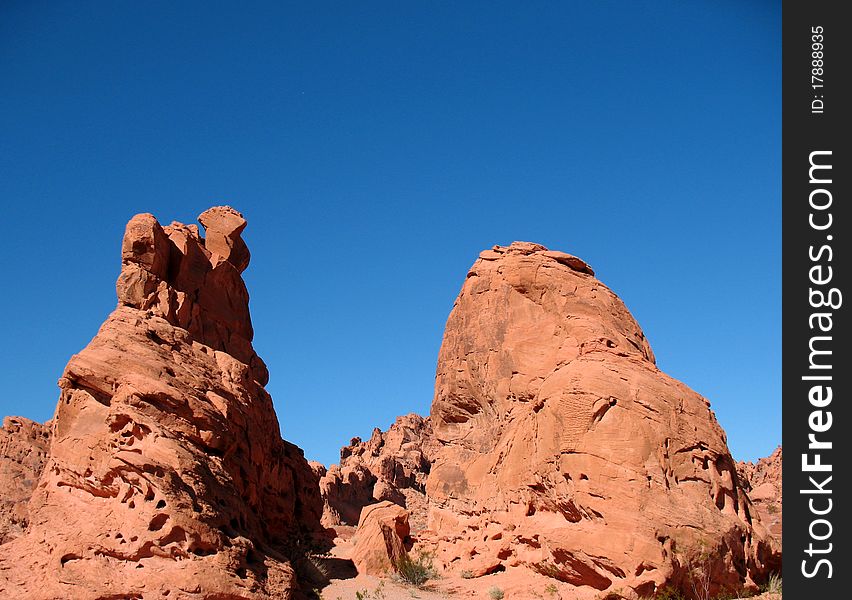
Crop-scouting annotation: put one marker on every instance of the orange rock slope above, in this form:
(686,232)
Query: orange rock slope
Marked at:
(565,450)
(167,476)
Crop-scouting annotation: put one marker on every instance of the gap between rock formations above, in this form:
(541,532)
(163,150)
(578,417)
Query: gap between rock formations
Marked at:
(545,466)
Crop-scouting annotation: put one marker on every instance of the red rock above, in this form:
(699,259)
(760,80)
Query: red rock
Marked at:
(380,538)
(23,451)
(224,226)
(391,465)
(557,431)
(167,475)
(762,481)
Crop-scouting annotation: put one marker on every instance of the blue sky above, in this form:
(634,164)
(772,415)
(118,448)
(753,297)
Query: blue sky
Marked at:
(375,148)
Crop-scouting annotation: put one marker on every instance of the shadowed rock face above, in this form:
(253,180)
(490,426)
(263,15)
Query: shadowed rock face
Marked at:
(762,481)
(565,449)
(167,475)
(23,452)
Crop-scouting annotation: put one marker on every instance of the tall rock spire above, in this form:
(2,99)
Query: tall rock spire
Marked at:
(167,475)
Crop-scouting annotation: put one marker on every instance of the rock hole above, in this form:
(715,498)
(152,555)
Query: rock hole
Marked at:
(161,504)
(154,337)
(157,522)
(118,422)
(69,557)
(131,504)
(584,477)
(201,551)
(175,536)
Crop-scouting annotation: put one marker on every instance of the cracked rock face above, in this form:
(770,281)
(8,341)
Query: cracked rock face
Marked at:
(566,450)
(167,475)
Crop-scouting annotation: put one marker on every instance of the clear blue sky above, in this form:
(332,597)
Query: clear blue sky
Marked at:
(375,149)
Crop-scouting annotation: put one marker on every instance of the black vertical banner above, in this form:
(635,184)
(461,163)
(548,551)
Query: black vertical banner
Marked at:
(817,218)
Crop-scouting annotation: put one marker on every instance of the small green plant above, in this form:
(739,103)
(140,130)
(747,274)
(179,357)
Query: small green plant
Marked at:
(466,574)
(415,571)
(772,509)
(495,593)
(550,590)
(669,593)
(376,594)
(379,592)
(773,585)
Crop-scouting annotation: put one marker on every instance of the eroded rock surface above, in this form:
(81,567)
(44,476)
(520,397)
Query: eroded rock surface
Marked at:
(391,465)
(762,481)
(23,451)
(167,475)
(562,448)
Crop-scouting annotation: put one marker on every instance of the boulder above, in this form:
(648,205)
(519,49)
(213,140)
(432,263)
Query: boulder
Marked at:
(380,540)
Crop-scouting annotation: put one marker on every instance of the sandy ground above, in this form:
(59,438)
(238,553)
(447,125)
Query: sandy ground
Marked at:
(372,588)
(513,586)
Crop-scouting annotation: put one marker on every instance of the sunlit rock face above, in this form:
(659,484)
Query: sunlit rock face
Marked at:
(167,476)
(564,449)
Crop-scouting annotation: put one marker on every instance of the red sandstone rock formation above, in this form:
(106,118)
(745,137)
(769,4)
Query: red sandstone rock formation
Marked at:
(167,475)
(380,539)
(391,465)
(565,450)
(762,481)
(23,452)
